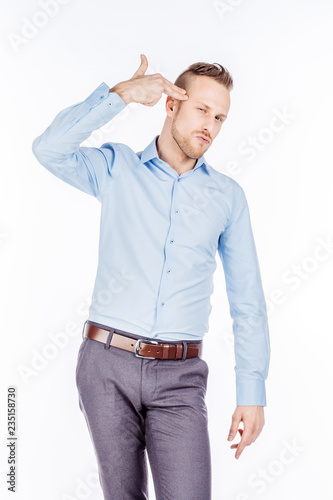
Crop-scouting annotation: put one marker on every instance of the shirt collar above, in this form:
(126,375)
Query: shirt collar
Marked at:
(150,152)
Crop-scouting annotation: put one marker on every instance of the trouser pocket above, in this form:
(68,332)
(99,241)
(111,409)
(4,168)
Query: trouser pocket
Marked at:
(80,354)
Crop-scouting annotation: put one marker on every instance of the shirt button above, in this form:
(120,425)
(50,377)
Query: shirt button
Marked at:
(162,304)
(101,96)
(110,103)
(177,211)
(168,270)
(172,241)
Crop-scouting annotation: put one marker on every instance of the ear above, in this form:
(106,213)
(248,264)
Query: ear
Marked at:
(171,105)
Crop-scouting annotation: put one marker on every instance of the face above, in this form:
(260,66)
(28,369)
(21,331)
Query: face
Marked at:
(202,114)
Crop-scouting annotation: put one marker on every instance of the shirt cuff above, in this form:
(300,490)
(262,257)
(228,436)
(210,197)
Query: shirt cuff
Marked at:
(106,104)
(250,392)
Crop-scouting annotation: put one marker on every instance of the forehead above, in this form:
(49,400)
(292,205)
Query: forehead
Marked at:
(209,92)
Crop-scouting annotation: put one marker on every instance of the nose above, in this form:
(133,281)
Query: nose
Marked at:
(207,127)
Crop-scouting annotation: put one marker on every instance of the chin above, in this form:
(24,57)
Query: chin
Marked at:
(202,148)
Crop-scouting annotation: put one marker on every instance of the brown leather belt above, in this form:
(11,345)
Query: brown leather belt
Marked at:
(143,348)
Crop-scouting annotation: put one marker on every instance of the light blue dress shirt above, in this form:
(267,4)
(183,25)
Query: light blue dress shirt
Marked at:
(159,235)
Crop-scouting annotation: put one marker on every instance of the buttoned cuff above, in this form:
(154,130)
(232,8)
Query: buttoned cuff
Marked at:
(106,104)
(250,392)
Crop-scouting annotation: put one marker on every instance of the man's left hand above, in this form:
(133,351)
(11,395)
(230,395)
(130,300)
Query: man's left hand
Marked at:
(253,420)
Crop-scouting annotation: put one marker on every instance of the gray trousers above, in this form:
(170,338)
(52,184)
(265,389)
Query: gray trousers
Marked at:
(134,407)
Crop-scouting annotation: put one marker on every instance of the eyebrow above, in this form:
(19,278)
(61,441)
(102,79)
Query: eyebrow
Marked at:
(208,107)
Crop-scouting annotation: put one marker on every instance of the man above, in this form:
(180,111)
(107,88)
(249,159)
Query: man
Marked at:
(165,214)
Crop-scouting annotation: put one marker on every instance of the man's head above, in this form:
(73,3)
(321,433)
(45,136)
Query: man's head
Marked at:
(208,88)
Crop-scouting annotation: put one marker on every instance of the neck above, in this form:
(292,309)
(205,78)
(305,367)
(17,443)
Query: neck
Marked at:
(169,151)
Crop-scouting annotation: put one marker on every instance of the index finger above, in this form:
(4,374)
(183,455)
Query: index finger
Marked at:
(173,90)
(245,440)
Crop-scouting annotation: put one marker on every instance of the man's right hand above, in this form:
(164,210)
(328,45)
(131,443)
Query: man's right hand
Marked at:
(147,89)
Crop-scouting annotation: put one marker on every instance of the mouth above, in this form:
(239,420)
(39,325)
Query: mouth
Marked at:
(203,139)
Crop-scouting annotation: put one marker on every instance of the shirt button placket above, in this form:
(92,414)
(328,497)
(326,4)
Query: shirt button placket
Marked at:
(168,270)
(172,240)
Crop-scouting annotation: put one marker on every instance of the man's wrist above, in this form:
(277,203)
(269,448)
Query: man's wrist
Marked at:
(122,91)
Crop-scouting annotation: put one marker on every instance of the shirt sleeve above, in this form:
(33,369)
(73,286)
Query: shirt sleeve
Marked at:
(236,248)
(58,148)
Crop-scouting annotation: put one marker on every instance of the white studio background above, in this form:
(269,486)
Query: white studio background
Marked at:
(54,54)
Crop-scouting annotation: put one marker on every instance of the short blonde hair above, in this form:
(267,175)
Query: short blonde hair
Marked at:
(215,70)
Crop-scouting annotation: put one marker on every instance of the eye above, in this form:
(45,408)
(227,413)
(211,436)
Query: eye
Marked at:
(201,109)
(219,118)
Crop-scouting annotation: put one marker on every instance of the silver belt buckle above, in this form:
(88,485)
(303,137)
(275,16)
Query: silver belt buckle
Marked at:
(137,347)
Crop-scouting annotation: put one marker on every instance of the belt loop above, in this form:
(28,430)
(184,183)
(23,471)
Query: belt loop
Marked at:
(108,340)
(184,350)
